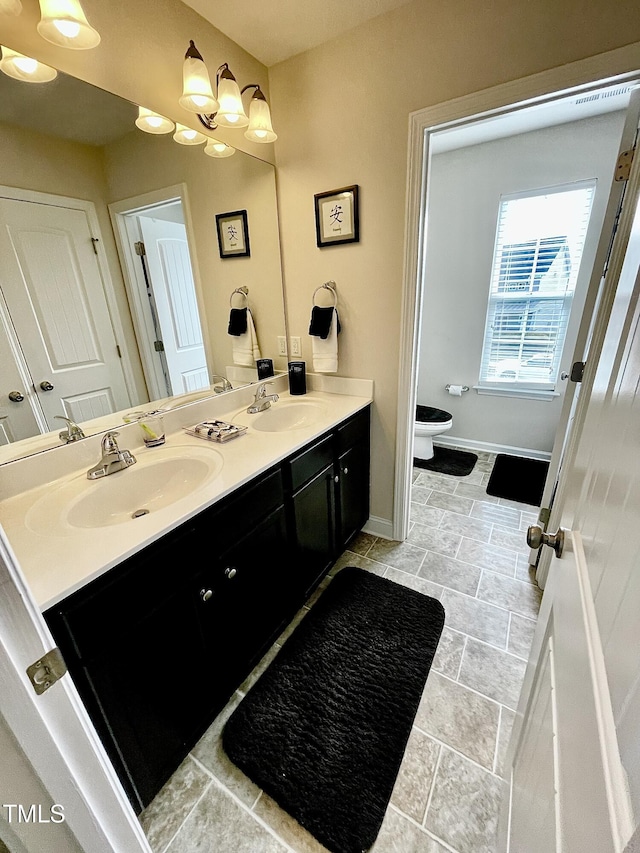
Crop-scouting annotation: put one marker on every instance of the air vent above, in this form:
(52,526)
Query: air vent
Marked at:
(601,96)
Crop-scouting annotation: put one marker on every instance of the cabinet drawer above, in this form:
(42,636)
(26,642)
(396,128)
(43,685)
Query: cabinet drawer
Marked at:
(354,431)
(309,462)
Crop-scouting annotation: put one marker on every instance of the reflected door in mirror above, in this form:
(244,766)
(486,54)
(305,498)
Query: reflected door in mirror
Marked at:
(62,326)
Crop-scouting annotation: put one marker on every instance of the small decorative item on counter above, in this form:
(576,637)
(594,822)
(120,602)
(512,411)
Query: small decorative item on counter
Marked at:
(297,378)
(215,430)
(151,426)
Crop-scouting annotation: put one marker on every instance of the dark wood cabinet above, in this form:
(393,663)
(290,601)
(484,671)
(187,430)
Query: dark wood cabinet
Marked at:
(158,644)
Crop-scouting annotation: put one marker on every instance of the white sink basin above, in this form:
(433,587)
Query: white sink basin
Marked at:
(285,415)
(160,477)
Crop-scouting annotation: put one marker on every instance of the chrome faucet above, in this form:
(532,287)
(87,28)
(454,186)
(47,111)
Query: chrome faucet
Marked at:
(113,459)
(263,400)
(226,385)
(71,433)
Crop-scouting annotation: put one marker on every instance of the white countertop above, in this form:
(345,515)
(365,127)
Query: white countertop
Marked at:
(56,561)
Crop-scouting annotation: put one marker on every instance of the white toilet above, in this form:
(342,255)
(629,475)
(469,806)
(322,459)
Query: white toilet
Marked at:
(428,422)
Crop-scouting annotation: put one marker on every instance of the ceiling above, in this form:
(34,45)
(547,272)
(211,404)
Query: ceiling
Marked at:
(274,30)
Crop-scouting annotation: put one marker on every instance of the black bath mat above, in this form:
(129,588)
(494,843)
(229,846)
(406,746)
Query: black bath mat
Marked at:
(448,460)
(518,478)
(324,729)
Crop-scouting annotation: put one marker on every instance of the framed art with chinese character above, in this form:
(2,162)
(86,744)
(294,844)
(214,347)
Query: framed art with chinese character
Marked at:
(233,234)
(337,217)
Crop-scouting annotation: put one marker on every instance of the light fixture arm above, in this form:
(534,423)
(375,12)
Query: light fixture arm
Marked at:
(258,91)
(208,119)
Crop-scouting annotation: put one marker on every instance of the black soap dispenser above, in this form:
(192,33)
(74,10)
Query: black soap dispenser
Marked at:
(297,378)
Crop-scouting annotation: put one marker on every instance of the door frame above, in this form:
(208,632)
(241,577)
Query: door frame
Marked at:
(133,275)
(89,209)
(615,67)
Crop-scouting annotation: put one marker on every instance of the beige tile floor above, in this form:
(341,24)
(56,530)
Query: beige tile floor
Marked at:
(467,549)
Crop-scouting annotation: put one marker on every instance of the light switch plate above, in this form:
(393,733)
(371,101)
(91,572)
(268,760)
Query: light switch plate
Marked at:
(296,347)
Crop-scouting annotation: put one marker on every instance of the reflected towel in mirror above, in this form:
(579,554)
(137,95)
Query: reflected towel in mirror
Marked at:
(245,346)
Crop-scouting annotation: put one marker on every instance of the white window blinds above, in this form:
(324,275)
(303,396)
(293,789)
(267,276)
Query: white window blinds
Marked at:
(539,244)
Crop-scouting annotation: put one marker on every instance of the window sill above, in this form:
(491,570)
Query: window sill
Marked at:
(547,394)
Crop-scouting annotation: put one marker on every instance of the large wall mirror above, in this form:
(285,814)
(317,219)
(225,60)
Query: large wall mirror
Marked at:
(114,290)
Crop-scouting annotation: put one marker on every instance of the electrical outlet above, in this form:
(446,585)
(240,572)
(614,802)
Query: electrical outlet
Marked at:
(282,345)
(296,347)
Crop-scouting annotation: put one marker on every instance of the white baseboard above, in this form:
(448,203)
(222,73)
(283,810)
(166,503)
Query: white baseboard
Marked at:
(382,527)
(489,447)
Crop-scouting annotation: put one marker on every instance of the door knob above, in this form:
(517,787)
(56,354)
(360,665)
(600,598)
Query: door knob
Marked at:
(230,572)
(46,386)
(536,537)
(205,594)
(16,396)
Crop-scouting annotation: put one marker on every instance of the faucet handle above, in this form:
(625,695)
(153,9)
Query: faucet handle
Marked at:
(109,443)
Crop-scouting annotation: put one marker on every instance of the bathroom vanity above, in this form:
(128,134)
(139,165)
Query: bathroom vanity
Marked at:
(158,641)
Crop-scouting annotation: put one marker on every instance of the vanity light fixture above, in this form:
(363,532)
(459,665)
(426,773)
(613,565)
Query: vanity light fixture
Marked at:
(215,148)
(152,122)
(64,23)
(225,108)
(186,136)
(24,68)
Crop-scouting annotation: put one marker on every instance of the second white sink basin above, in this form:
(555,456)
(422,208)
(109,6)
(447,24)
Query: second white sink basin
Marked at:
(285,415)
(160,477)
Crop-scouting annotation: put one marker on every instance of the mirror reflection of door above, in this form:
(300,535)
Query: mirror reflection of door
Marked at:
(169,330)
(62,356)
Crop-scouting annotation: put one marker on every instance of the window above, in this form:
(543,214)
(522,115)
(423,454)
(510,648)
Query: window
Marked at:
(539,244)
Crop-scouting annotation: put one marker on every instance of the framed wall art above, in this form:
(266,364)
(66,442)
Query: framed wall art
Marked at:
(233,234)
(337,217)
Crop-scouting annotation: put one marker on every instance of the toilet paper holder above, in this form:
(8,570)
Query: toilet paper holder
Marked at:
(464,387)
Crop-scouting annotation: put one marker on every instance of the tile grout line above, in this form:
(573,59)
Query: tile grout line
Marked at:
(428,832)
(460,753)
(432,786)
(497,749)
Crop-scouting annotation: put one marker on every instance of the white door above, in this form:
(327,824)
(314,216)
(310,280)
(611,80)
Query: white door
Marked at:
(53,291)
(54,732)
(21,415)
(575,749)
(174,294)
(617,198)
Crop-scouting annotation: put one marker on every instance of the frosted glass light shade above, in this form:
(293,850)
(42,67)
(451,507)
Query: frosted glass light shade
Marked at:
(197,96)
(151,122)
(186,136)
(64,23)
(260,128)
(231,111)
(10,7)
(215,148)
(24,68)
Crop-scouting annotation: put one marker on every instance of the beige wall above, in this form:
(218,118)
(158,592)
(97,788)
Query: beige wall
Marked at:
(342,116)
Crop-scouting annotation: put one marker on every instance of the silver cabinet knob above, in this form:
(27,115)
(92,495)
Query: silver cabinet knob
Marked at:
(16,396)
(345,470)
(230,572)
(564,375)
(46,386)
(536,537)
(205,594)
(336,479)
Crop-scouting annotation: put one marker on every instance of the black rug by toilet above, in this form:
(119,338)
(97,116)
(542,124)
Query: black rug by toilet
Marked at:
(518,478)
(324,729)
(448,460)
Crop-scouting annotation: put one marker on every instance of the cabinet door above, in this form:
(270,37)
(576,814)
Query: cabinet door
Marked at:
(244,603)
(315,536)
(353,492)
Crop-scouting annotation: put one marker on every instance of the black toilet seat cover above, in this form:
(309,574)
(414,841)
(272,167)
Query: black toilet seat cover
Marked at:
(429,415)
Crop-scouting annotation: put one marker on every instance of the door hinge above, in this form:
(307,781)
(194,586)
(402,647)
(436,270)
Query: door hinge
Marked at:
(158,346)
(95,240)
(543,516)
(47,670)
(577,371)
(139,247)
(623,166)
(118,350)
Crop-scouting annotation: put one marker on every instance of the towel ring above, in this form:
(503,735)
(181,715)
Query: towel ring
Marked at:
(328,285)
(243,291)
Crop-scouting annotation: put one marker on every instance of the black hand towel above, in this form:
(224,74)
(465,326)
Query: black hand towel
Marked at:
(320,324)
(237,321)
